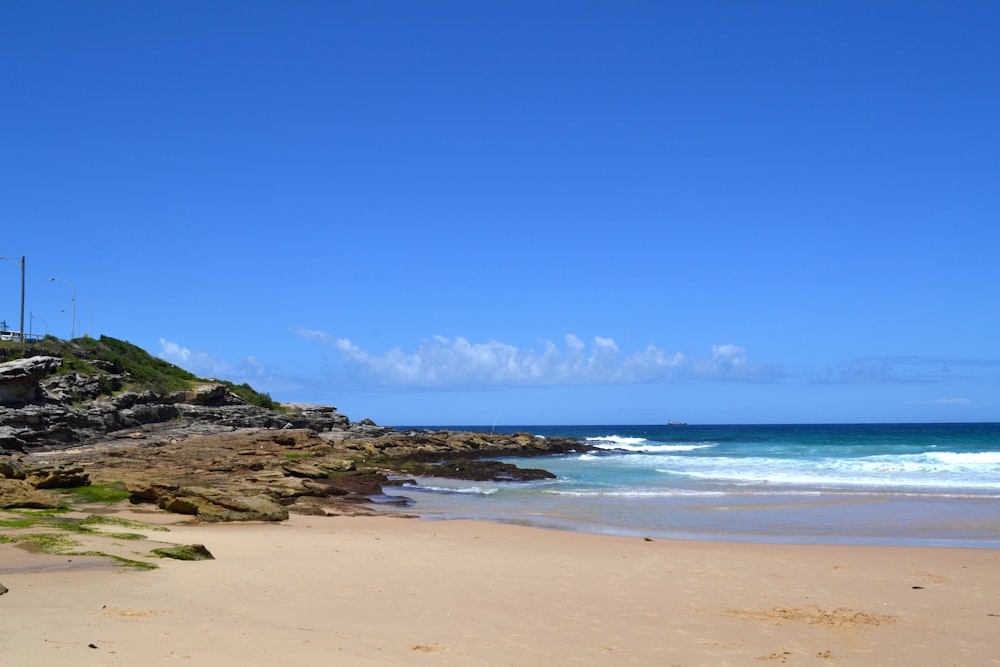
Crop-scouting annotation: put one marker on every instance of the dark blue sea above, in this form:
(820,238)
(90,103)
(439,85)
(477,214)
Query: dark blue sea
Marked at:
(904,484)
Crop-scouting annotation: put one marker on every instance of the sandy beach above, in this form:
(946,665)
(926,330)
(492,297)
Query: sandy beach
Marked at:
(377,591)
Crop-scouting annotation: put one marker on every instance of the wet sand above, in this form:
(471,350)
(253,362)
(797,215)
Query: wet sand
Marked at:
(386,591)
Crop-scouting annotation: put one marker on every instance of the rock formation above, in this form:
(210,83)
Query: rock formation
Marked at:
(207,453)
(19,378)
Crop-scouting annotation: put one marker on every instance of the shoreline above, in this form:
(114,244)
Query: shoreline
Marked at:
(831,518)
(383,590)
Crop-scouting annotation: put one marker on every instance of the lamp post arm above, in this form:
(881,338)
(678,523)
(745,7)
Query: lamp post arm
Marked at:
(73,321)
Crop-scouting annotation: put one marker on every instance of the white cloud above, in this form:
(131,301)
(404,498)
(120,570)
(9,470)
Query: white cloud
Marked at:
(249,371)
(949,401)
(199,363)
(205,365)
(456,362)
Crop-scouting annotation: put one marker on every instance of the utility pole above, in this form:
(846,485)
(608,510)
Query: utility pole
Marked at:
(22,299)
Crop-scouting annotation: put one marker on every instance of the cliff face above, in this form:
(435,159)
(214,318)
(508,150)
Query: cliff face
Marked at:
(19,379)
(203,450)
(43,410)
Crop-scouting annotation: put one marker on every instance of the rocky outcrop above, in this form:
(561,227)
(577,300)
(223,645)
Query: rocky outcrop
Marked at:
(263,474)
(431,446)
(209,504)
(77,387)
(267,496)
(17,493)
(12,468)
(23,487)
(50,426)
(214,505)
(19,378)
(42,411)
(205,453)
(57,476)
(479,470)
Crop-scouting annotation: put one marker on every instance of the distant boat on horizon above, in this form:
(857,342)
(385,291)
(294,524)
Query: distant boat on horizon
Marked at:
(676,423)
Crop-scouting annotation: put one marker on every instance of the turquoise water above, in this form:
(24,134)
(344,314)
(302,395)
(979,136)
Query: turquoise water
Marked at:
(927,484)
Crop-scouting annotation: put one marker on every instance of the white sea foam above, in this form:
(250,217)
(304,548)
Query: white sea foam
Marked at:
(966,458)
(642,445)
(928,470)
(796,483)
(614,440)
(468,490)
(632,493)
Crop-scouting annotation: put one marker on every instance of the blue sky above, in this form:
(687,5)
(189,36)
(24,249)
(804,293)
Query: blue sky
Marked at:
(519,212)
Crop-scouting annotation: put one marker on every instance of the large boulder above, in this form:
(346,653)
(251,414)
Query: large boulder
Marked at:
(480,470)
(19,378)
(73,387)
(10,439)
(359,485)
(11,468)
(148,413)
(209,504)
(18,494)
(226,507)
(319,418)
(62,476)
(303,469)
(205,393)
(333,465)
(149,492)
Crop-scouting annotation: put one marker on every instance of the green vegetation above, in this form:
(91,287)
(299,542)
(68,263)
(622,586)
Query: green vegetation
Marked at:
(101,520)
(126,536)
(144,370)
(63,542)
(300,455)
(106,357)
(57,544)
(121,560)
(46,543)
(33,517)
(185,552)
(100,493)
(252,396)
(20,522)
(45,519)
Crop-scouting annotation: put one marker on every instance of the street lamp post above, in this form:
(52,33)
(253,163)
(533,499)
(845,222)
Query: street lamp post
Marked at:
(31,323)
(72,287)
(21,264)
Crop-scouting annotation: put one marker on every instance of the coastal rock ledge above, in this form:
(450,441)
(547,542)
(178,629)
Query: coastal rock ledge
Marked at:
(207,453)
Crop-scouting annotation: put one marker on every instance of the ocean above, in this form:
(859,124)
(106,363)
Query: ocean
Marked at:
(895,484)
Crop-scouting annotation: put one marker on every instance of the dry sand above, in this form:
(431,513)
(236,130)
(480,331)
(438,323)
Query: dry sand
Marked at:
(385,591)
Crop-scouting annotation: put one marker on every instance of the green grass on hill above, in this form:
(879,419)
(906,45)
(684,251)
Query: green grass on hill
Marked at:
(106,356)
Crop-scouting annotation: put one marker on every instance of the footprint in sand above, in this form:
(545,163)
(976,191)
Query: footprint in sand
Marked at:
(427,648)
(129,613)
